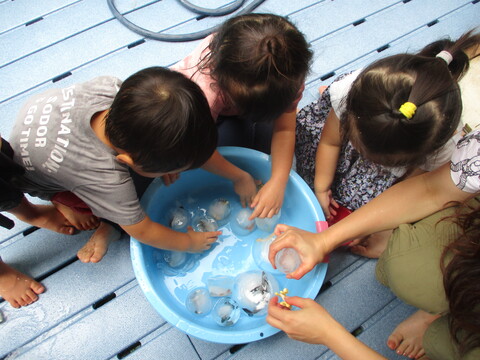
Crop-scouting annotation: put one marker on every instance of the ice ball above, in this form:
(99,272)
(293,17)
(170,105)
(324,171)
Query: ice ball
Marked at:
(226,312)
(242,225)
(199,302)
(179,219)
(204,223)
(268,224)
(260,250)
(175,258)
(287,260)
(253,290)
(219,209)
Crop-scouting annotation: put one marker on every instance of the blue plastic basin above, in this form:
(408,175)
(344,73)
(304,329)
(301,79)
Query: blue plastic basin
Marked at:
(230,256)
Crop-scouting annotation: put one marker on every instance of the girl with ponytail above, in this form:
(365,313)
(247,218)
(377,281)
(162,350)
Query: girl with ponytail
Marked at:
(398,117)
(252,71)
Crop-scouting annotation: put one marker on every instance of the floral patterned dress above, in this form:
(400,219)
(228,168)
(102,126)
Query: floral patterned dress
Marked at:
(357,180)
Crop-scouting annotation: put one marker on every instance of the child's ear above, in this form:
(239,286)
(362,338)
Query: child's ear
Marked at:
(125,159)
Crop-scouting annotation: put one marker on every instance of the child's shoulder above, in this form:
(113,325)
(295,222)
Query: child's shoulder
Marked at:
(100,85)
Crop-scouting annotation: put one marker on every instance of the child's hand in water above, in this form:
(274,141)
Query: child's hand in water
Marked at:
(201,241)
(328,204)
(311,250)
(268,201)
(245,188)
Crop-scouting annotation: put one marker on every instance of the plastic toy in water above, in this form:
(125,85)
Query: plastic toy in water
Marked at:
(282,294)
(204,223)
(219,209)
(287,260)
(268,224)
(253,290)
(179,219)
(226,312)
(241,225)
(219,286)
(199,302)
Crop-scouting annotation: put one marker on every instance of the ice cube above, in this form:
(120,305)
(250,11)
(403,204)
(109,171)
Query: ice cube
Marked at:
(253,290)
(226,312)
(268,224)
(219,286)
(287,260)
(198,301)
(219,209)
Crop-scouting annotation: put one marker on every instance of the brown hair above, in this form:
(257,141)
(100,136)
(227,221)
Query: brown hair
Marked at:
(260,62)
(162,119)
(461,279)
(374,124)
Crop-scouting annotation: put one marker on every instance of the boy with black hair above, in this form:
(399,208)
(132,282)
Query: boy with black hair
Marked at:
(79,144)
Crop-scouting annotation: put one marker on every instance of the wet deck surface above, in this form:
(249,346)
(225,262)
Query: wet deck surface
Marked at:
(98,311)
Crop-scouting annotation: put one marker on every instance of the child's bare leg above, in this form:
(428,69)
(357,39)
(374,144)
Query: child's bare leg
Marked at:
(321,89)
(79,220)
(17,288)
(96,248)
(371,246)
(42,216)
(407,338)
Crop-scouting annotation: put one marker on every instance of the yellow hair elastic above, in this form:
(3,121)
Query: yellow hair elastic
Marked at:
(408,109)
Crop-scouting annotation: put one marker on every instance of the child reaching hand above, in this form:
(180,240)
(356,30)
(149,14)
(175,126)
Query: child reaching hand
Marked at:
(376,126)
(85,138)
(254,67)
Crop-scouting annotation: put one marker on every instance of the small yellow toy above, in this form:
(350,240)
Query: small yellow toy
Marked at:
(282,294)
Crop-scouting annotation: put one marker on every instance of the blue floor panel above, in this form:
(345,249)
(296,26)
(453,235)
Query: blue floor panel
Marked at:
(98,311)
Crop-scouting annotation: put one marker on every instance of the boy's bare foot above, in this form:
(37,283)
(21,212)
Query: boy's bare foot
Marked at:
(371,246)
(96,248)
(42,216)
(17,288)
(407,338)
(80,221)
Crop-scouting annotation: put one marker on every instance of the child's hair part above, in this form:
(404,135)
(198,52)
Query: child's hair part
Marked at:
(377,127)
(260,62)
(162,120)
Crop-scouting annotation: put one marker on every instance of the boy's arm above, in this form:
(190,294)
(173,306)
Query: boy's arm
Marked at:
(269,199)
(159,236)
(326,161)
(243,182)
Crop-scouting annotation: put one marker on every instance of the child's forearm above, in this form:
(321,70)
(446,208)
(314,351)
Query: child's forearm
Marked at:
(282,148)
(159,236)
(325,166)
(327,154)
(218,165)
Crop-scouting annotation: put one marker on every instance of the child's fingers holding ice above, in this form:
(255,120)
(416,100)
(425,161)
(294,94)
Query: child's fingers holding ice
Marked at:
(201,241)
